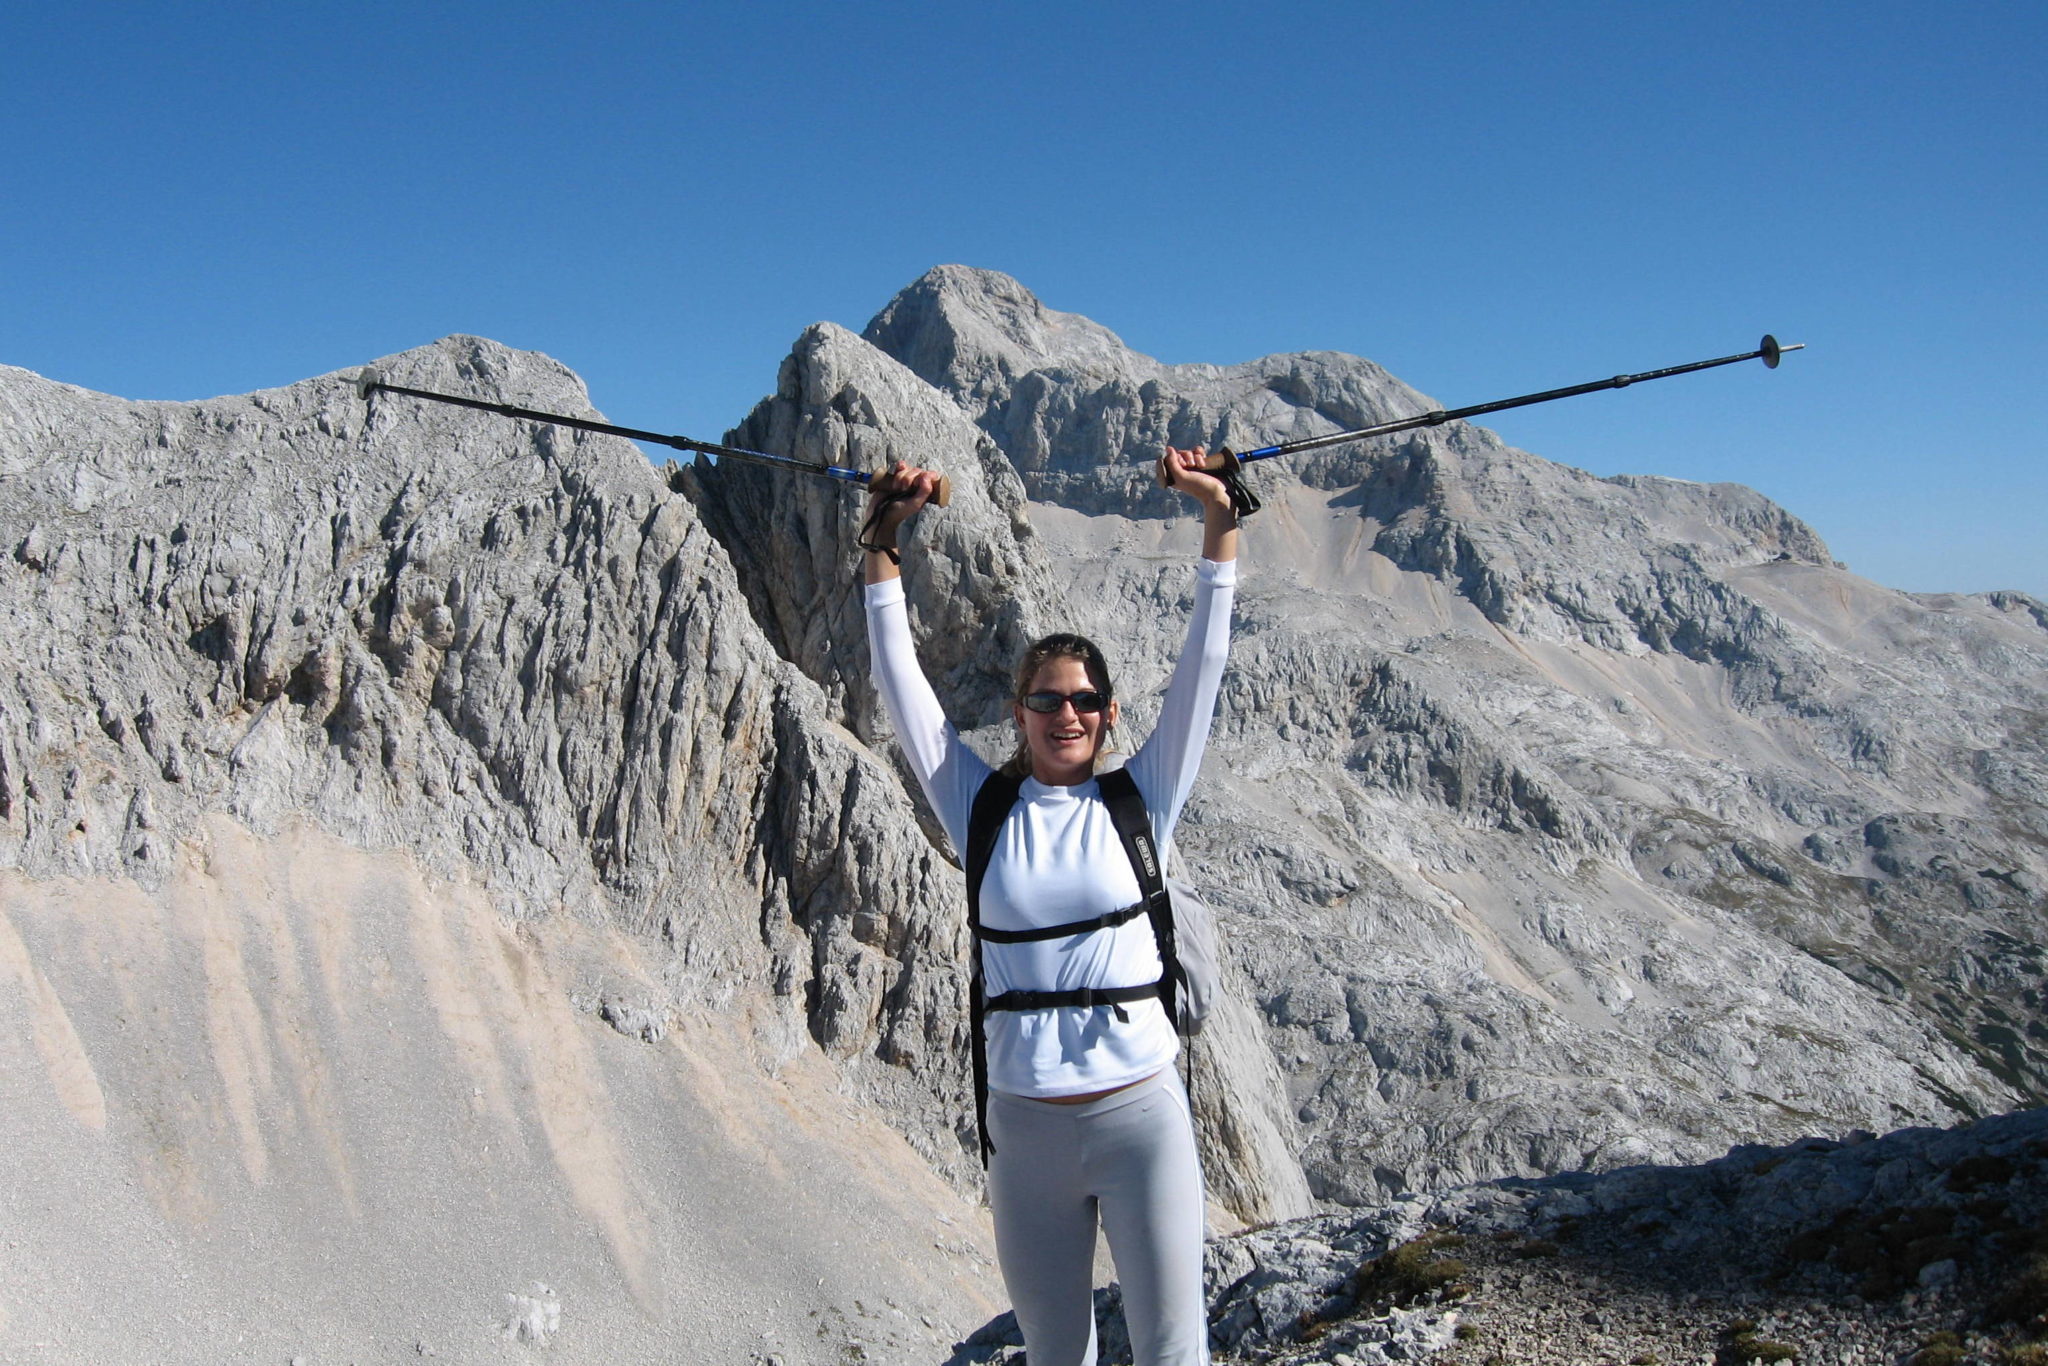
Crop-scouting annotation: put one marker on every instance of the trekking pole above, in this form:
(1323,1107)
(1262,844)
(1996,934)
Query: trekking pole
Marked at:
(1229,462)
(372,381)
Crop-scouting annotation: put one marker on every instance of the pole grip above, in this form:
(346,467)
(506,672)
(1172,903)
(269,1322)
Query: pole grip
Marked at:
(942,492)
(1220,461)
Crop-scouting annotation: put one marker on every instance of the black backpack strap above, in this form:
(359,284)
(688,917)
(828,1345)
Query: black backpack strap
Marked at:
(1072,927)
(1087,998)
(998,793)
(1127,811)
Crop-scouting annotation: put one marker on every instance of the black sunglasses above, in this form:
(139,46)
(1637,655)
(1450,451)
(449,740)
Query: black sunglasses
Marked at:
(1085,701)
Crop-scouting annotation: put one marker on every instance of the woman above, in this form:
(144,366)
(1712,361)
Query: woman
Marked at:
(1087,1118)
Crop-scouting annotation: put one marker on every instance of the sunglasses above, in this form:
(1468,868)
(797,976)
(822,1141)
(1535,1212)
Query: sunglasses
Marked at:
(1086,701)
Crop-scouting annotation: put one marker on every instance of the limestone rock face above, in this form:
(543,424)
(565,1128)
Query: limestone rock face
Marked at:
(287,675)
(283,604)
(977,586)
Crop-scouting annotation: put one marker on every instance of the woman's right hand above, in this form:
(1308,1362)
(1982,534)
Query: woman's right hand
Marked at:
(894,497)
(917,487)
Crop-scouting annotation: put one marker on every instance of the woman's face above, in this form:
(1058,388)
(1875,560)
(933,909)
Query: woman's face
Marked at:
(1063,743)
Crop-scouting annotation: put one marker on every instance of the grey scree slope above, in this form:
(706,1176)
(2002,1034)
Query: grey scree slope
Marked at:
(455,886)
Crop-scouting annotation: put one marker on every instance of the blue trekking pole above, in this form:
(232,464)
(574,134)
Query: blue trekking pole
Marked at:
(1228,464)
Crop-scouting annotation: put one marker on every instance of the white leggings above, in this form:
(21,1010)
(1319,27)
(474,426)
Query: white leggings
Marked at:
(1130,1156)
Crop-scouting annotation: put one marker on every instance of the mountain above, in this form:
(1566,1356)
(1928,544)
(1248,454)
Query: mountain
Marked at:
(1558,822)
(459,889)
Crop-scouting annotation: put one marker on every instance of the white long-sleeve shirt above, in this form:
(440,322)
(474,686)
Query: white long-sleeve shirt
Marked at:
(1057,858)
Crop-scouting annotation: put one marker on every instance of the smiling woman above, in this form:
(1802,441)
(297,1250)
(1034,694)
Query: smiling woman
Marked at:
(1065,710)
(1085,1119)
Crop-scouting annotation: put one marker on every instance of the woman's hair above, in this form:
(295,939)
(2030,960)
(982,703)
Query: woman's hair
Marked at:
(1061,645)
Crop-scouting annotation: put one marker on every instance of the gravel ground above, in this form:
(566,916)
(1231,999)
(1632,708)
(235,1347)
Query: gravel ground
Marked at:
(1590,1308)
(1925,1247)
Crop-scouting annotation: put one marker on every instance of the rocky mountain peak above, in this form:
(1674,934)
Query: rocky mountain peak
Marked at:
(1081,416)
(973,333)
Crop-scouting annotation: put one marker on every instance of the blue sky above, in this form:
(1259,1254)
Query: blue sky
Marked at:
(1487,199)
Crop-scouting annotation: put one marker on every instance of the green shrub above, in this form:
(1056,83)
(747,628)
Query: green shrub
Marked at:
(2024,1297)
(1406,1273)
(1942,1349)
(1740,1345)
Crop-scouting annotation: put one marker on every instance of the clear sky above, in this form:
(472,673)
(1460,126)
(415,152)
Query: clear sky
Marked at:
(1487,199)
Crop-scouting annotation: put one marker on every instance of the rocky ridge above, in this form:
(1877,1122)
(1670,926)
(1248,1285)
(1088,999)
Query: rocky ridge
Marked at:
(1557,823)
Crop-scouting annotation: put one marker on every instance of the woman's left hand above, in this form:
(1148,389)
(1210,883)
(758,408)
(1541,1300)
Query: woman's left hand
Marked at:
(1183,470)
